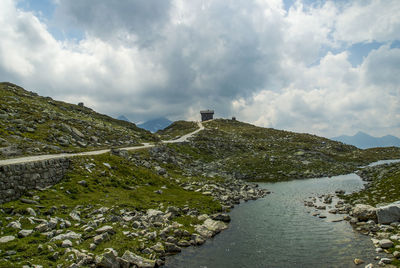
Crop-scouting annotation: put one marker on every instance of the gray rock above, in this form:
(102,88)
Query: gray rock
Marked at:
(14,225)
(364,212)
(137,260)
(104,229)
(77,133)
(158,247)
(31,212)
(386,243)
(7,238)
(385,261)
(66,243)
(172,248)
(389,213)
(221,217)
(161,171)
(100,238)
(70,236)
(75,216)
(25,233)
(108,259)
(83,183)
(210,227)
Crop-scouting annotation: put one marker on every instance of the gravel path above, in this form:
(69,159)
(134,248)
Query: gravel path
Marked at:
(54,156)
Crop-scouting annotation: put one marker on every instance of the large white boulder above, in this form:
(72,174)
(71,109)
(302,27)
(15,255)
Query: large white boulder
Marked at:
(210,228)
(388,214)
(364,212)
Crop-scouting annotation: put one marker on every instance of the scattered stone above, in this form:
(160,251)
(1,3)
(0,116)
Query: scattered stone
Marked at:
(385,261)
(69,236)
(358,261)
(66,243)
(104,229)
(100,238)
(83,183)
(386,243)
(75,216)
(24,233)
(137,260)
(108,259)
(7,238)
(31,212)
(14,225)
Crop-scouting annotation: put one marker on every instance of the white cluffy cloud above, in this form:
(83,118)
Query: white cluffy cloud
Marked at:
(275,67)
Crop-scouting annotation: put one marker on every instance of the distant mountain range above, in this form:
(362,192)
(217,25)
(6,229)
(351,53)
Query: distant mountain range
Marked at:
(123,118)
(364,141)
(155,124)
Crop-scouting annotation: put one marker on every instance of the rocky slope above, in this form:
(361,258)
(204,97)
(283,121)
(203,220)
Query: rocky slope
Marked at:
(253,153)
(117,210)
(31,125)
(135,208)
(375,210)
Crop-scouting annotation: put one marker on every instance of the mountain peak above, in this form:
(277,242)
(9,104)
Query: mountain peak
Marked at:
(363,140)
(155,124)
(123,118)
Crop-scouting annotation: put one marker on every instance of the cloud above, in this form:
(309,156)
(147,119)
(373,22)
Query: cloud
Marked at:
(133,21)
(337,99)
(367,21)
(287,69)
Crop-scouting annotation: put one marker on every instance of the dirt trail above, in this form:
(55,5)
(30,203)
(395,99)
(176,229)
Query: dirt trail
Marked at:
(54,156)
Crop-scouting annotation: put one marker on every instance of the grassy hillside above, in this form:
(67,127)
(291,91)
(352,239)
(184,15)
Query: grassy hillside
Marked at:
(383,186)
(262,154)
(31,124)
(103,190)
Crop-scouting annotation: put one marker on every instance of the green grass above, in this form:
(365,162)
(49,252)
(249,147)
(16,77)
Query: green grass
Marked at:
(45,117)
(382,190)
(124,186)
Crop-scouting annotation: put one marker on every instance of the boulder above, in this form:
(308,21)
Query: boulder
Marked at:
(24,233)
(104,229)
(66,243)
(137,260)
(210,228)
(7,238)
(69,236)
(385,243)
(388,214)
(364,212)
(108,259)
(172,248)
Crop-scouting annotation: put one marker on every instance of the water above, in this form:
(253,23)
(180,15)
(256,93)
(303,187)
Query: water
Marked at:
(279,231)
(381,162)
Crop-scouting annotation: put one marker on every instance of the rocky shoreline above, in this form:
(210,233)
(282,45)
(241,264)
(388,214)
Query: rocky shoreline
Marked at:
(69,242)
(381,223)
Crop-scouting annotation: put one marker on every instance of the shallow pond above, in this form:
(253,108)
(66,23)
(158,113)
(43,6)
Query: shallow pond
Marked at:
(279,231)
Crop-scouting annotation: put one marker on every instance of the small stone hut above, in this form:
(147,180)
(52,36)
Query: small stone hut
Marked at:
(207,115)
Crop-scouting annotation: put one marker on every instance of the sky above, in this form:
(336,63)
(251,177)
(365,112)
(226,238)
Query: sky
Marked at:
(322,67)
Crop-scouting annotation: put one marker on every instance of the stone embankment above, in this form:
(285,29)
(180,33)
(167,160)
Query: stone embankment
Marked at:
(16,179)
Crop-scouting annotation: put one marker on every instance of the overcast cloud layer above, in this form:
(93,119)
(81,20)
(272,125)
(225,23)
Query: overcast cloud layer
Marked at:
(265,63)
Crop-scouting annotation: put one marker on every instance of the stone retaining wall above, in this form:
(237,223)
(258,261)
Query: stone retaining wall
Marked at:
(15,179)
